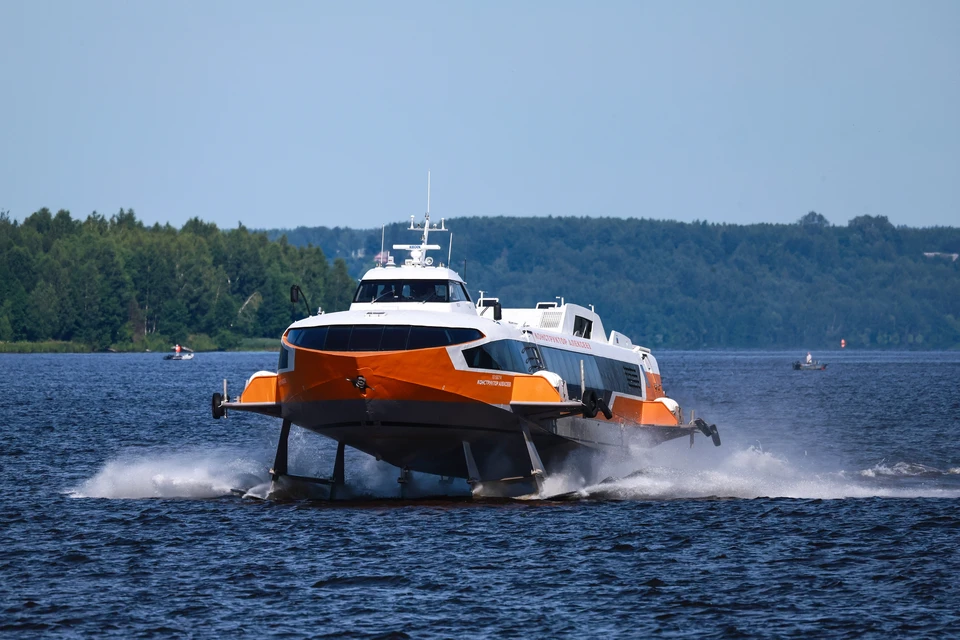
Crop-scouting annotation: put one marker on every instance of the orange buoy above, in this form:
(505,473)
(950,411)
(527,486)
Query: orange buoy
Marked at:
(843,343)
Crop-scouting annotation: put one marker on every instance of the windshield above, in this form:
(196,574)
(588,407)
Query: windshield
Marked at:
(411,291)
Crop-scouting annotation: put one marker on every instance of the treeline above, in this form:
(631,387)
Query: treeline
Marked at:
(116,283)
(699,285)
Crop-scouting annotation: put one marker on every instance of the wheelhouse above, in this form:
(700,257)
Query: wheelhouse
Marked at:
(400,289)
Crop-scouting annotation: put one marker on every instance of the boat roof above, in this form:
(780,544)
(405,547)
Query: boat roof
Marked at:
(421,317)
(410,272)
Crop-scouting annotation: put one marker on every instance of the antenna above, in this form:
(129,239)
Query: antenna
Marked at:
(450,250)
(418,251)
(383,233)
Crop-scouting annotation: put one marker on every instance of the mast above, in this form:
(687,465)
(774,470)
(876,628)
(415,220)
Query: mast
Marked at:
(418,251)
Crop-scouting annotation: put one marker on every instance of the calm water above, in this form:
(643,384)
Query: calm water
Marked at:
(832,509)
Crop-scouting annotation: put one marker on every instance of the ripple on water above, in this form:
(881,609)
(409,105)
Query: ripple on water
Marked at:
(799,525)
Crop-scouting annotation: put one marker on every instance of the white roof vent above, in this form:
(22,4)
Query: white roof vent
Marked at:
(550,319)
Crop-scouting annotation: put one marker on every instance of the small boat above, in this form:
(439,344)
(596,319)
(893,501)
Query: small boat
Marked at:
(180,353)
(809,366)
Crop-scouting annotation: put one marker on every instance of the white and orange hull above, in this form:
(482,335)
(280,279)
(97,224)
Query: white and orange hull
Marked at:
(416,410)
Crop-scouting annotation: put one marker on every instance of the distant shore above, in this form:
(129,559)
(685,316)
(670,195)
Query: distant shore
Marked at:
(273,344)
(57,346)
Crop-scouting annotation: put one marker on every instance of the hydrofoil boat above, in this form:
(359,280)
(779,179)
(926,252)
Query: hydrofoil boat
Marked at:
(420,375)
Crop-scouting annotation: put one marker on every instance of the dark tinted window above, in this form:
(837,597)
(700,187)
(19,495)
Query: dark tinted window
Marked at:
(378,291)
(440,293)
(481,358)
(366,337)
(410,291)
(458,293)
(284,361)
(310,338)
(378,337)
(611,371)
(582,327)
(338,338)
(532,357)
(460,335)
(600,374)
(504,355)
(394,338)
(423,337)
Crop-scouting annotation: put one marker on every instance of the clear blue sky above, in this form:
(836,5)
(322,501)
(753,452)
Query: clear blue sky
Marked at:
(313,113)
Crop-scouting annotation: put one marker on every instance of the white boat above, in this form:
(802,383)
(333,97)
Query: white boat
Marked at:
(418,374)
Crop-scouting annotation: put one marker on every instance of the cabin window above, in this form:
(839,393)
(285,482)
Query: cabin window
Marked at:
(459,335)
(338,338)
(366,337)
(425,337)
(531,356)
(566,364)
(582,328)
(433,292)
(458,293)
(394,338)
(615,377)
(312,338)
(482,358)
(504,355)
(363,337)
(600,374)
(393,291)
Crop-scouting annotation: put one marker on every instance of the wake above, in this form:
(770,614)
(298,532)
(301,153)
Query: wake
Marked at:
(662,473)
(205,473)
(754,473)
(183,474)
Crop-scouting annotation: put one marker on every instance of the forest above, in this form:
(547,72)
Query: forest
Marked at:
(805,285)
(114,283)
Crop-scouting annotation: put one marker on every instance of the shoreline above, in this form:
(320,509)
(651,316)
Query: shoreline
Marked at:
(273,345)
(54,346)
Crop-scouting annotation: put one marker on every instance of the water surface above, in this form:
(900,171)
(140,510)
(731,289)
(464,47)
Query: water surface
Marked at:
(830,509)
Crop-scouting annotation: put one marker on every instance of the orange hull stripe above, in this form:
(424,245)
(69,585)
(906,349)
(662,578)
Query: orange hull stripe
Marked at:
(424,374)
(260,389)
(642,412)
(427,375)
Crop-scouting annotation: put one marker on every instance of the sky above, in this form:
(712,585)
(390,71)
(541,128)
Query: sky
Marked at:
(331,113)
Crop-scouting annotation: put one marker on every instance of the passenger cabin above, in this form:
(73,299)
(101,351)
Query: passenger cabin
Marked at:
(567,319)
(571,342)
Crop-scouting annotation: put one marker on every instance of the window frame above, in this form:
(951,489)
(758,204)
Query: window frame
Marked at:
(407,284)
(307,337)
(600,373)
